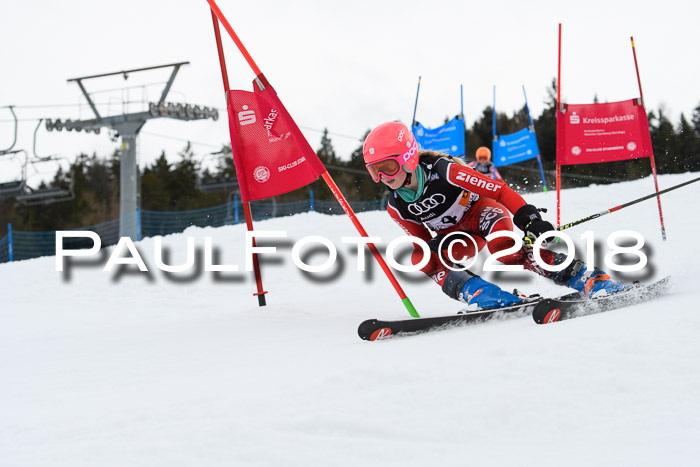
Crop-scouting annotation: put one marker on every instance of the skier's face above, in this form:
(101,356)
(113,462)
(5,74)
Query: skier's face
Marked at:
(396,181)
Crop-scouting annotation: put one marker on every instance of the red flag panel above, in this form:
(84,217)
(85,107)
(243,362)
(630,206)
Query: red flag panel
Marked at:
(271,155)
(592,133)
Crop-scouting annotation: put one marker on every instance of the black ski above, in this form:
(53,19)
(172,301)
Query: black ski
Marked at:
(550,310)
(374,329)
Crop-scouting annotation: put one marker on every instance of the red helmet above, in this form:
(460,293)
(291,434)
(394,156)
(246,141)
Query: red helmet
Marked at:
(389,147)
(483,154)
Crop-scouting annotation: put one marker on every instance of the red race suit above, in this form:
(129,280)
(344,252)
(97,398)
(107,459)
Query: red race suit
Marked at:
(458,198)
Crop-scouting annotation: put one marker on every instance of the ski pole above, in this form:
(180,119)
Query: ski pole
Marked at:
(617,208)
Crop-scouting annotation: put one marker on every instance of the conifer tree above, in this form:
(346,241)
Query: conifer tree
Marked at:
(663,142)
(687,147)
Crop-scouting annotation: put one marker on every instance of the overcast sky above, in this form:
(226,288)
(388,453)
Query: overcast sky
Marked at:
(347,66)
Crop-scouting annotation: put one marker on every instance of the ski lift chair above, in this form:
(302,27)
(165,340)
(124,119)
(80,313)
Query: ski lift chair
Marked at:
(216,184)
(48,194)
(13,188)
(31,196)
(41,194)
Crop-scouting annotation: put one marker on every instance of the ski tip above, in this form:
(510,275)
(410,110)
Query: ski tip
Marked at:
(547,311)
(369,331)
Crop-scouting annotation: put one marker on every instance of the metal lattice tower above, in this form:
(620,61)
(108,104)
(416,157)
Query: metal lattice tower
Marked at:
(128,127)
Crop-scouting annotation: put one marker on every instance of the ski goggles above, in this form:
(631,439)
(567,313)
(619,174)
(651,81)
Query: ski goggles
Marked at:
(389,166)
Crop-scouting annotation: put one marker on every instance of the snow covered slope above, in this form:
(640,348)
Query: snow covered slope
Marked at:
(130,368)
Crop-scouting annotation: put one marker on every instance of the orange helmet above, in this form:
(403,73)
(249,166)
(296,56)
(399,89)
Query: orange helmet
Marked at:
(483,154)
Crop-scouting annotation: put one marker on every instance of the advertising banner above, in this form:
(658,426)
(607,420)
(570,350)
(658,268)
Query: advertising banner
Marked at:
(592,133)
(271,155)
(448,139)
(515,147)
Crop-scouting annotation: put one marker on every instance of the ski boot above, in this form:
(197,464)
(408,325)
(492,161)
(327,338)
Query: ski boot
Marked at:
(476,292)
(592,282)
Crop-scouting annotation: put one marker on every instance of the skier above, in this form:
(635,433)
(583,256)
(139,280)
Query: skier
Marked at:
(483,164)
(432,192)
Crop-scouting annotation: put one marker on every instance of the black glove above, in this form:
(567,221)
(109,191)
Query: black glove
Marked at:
(528,219)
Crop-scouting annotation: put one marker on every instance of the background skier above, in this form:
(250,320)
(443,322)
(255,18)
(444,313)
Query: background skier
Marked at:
(483,164)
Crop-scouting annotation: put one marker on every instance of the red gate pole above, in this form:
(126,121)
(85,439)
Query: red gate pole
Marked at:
(651,157)
(246,205)
(348,210)
(326,176)
(557,145)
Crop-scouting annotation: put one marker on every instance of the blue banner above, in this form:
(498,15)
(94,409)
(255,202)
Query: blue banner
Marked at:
(515,147)
(448,139)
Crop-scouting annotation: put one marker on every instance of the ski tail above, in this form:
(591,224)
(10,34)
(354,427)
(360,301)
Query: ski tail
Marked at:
(551,310)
